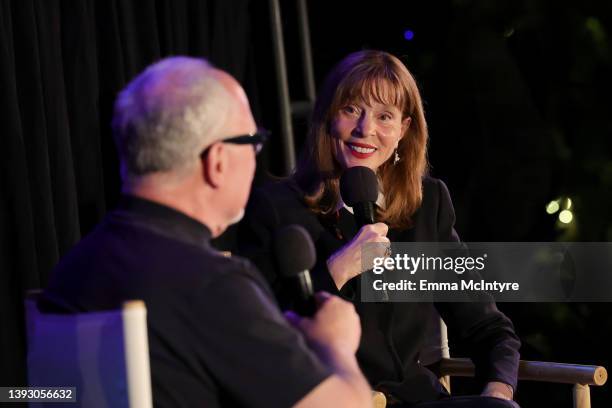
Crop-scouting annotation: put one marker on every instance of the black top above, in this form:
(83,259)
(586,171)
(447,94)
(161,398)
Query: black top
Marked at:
(216,336)
(392,333)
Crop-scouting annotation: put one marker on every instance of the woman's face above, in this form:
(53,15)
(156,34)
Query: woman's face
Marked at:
(366,134)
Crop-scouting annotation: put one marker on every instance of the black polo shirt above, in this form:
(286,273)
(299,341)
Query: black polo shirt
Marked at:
(216,336)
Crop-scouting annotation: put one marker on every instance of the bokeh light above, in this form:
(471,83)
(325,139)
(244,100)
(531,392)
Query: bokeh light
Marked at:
(566,216)
(552,207)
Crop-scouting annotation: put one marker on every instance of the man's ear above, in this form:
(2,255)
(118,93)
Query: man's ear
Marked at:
(215,164)
(406,122)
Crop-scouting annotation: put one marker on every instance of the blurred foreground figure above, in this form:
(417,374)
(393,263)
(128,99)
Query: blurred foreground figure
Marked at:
(187,142)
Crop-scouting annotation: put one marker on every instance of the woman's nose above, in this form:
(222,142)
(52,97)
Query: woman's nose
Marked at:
(365,126)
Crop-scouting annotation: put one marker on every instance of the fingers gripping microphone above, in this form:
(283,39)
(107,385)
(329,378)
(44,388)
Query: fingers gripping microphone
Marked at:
(359,190)
(295,256)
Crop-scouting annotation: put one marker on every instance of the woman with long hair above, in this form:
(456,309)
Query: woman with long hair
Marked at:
(369,113)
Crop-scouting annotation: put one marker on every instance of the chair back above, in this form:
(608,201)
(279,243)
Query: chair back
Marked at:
(104,355)
(436,342)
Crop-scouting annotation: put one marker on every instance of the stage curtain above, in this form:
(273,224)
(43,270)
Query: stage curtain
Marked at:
(61,66)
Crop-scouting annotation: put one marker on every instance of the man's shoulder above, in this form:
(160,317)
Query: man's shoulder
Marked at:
(122,253)
(113,240)
(238,267)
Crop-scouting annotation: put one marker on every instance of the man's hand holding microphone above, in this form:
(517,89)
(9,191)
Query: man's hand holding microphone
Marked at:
(329,324)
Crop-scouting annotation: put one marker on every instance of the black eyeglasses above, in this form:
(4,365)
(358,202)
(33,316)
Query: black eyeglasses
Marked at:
(257,139)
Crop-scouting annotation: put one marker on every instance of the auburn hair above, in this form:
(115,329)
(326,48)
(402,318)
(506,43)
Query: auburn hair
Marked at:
(367,75)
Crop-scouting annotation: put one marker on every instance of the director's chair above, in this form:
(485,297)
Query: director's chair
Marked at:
(581,376)
(104,355)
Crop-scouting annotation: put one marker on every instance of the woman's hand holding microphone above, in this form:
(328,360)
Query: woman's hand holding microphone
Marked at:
(346,263)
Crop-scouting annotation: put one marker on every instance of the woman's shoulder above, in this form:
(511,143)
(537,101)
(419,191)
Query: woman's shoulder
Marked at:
(434,189)
(282,195)
(281,202)
(284,190)
(434,219)
(436,199)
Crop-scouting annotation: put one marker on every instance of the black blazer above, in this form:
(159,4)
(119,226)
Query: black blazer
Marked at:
(392,333)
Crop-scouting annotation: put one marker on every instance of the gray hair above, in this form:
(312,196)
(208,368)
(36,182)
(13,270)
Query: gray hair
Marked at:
(167,115)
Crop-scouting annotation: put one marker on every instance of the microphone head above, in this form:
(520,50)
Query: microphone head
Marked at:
(357,185)
(294,250)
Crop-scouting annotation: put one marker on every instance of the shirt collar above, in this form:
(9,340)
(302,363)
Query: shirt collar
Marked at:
(380,203)
(162,219)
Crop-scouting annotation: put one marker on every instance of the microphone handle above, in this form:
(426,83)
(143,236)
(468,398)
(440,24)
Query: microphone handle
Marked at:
(304,302)
(306,307)
(364,213)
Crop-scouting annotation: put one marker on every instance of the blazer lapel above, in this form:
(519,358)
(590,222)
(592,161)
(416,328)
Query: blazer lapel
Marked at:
(347,225)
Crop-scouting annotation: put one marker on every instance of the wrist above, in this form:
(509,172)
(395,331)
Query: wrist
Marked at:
(340,357)
(337,273)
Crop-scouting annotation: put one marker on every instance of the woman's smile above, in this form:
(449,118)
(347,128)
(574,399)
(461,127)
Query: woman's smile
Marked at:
(361,150)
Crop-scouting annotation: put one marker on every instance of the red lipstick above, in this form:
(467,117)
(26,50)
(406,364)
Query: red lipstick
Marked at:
(361,150)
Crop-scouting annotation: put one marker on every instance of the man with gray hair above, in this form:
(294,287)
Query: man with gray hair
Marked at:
(187,142)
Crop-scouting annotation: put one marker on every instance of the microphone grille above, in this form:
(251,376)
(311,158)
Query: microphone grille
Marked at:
(358,184)
(294,250)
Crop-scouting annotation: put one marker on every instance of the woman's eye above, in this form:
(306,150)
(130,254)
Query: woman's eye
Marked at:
(386,117)
(351,110)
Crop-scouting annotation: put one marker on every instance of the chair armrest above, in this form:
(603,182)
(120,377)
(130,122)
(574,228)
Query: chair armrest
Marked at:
(534,371)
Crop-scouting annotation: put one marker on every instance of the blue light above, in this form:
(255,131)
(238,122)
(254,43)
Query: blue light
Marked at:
(408,35)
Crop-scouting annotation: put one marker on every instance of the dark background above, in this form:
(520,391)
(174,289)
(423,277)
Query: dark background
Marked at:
(517,97)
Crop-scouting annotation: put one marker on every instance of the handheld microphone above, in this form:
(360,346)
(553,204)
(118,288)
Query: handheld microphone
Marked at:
(295,256)
(359,190)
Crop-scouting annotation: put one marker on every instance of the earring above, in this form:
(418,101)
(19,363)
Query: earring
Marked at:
(396,158)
